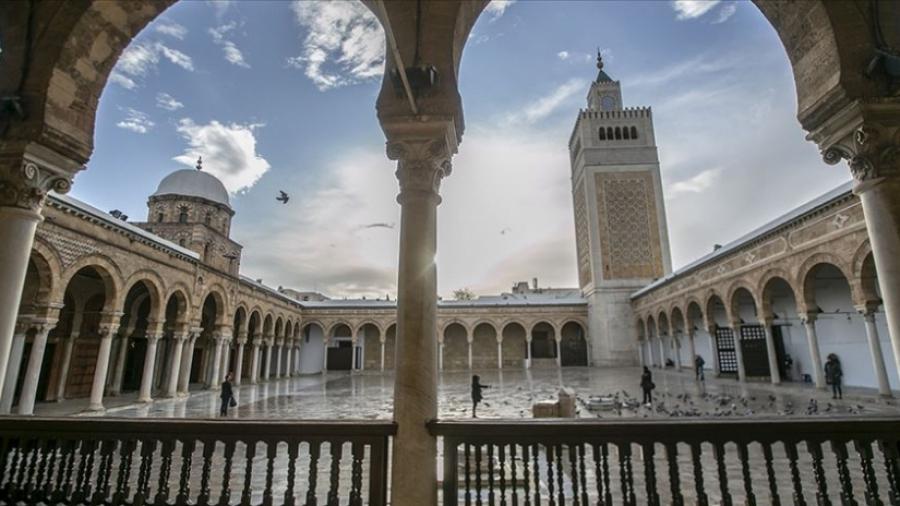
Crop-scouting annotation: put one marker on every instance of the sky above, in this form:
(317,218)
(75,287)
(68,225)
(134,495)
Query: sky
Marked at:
(280,96)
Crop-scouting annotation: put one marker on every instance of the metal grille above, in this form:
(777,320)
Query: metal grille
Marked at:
(753,346)
(725,350)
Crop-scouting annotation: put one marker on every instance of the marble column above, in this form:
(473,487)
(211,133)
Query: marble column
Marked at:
(219,339)
(239,360)
(288,367)
(178,340)
(662,351)
(528,352)
(33,371)
(254,363)
(884,385)
(556,343)
(866,133)
(118,372)
(325,358)
(423,158)
(12,372)
(187,359)
(711,331)
(771,352)
(676,350)
(692,349)
(738,351)
(25,178)
(146,390)
(106,332)
(63,379)
(469,347)
(225,365)
(440,356)
(278,349)
(499,354)
(267,373)
(815,356)
(382,355)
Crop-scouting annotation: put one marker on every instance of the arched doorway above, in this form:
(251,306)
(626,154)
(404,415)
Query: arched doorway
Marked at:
(370,344)
(515,345)
(573,348)
(456,347)
(543,341)
(130,347)
(312,350)
(340,348)
(484,346)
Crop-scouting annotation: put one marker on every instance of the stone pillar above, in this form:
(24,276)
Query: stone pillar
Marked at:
(867,135)
(146,391)
(220,340)
(738,351)
(325,357)
(641,360)
(254,362)
(556,343)
(68,348)
(774,373)
(239,358)
(187,358)
(288,366)
(528,351)
(12,372)
(884,385)
(499,352)
(692,349)
(662,352)
(279,347)
(809,323)
(178,341)
(711,331)
(423,160)
(106,331)
(119,367)
(382,355)
(469,348)
(33,372)
(225,366)
(267,372)
(676,350)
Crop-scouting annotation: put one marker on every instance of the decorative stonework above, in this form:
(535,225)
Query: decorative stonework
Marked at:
(69,250)
(629,237)
(582,246)
(872,151)
(421,164)
(26,185)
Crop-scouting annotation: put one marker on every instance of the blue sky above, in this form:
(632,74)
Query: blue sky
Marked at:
(280,95)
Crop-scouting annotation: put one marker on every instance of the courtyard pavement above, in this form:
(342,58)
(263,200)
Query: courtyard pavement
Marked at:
(370,396)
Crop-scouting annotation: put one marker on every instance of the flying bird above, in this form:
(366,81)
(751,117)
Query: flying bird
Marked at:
(377,225)
(505,231)
(282,197)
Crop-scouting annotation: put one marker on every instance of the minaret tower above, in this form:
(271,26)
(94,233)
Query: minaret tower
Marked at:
(620,221)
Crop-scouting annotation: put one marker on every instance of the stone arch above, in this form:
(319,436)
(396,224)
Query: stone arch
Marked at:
(713,317)
(456,346)
(155,286)
(456,321)
(543,339)
(184,289)
(677,319)
(268,324)
(221,306)
(662,324)
(515,343)
(735,291)
(370,337)
(40,281)
(573,344)
(279,328)
(49,269)
(767,284)
(868,281)
(484,345)
(693,314)
(108,271)
(807,292)
(374,323)
(337,324)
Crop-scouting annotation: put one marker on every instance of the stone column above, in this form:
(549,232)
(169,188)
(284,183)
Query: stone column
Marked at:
(440,355)
(288,366)
(528,351)
(106,331)
(382,355)
(884,385)
(774,373)
(187,359)
(254,362)
(641,360)
(676,350)
(738,351)
(267,373)
(178,340)
(146,391)
(239,358)
(225,366)
(867,135)
(279,347)
(809,323)
(33,372)
(692,349)
(25,179)
(499,352)
(711,331)
(119,368)
(325,358)
(556,343)
(662,352)
(423,160)
(12,372)
(219,338)
(469,348)
(68,348)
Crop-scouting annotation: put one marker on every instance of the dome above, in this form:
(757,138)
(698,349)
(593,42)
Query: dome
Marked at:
(193,183)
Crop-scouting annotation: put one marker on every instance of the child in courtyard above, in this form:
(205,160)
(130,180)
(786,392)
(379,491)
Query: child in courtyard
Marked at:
(834,375)
(647,386)
(698,367)
(477,387)
(227,396)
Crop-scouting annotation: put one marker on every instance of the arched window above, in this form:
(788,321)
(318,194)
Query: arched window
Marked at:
(634,132)
(206,250)
(181,242)
(183,215)
(159,218)
(609,133)
(618,133)
(602,134)
(625,133)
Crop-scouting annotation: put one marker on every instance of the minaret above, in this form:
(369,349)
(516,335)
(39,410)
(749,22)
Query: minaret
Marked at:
(620,221)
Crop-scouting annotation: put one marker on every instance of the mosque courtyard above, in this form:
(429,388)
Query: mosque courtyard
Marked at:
(370,396)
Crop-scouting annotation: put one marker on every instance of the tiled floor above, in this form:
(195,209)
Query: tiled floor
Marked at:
(370,396)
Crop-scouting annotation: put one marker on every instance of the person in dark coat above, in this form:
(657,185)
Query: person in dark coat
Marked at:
(227,396)
(647,385)
(834,375)
(477,387)
(698,367)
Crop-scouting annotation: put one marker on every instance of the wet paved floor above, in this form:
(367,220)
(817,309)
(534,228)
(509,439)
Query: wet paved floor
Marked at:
(370,396)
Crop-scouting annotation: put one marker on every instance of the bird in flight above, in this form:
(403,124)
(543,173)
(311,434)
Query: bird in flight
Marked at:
(282,197)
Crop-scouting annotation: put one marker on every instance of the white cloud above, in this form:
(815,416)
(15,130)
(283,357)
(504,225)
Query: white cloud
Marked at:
(692,9)
(232,53)
(229,152)
(175,56)
(546,105)
(497,8)
(171,29)
(136,121)
(168,102)
(696,184)
(692,67)
(344,43)
(727,10)
(563,55)
(122,80)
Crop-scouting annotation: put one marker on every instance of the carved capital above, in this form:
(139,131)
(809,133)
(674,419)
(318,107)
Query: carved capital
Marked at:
(25,182)
(421,165)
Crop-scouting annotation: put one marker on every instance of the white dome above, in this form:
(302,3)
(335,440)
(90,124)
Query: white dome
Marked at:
(194,183)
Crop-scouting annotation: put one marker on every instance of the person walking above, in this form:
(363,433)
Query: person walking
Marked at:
(834,375)
(647,386)
(227,396)
(698,367)
(477,387)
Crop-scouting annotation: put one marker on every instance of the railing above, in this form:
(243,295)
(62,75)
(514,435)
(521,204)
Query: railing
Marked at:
(726,462)
(164,462)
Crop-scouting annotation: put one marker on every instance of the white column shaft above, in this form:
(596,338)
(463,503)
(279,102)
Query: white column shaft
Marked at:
(68,348)
(33,372)
(884,386)
(12,373)
(174,368)
(774,374)
(499,355)
(739,352)
(146,391)
(814,353)
(382,356)
(217,360)
(239,364)
(100,370)
(187,358)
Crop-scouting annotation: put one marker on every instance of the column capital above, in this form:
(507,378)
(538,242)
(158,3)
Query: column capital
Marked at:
(868,309)
(423,160)
(808,317)
(27,175)
(44,325)
(107,330)
(867,136)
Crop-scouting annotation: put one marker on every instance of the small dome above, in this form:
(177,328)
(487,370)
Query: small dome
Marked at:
(194,183)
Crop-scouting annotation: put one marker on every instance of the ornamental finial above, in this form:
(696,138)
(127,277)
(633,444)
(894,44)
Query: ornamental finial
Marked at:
(599,60)
(199,163)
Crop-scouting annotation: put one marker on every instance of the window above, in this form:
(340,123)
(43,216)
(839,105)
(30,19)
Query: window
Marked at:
(183,215)
(602,134)
(206,250)
(609,133)
(618,134)
(625,133)
(634,132)
(181,242)
(159,217)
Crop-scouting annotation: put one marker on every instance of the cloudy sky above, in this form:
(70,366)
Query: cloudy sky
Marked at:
(280,96)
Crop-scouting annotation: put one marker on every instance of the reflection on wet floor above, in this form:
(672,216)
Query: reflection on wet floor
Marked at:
(370,396)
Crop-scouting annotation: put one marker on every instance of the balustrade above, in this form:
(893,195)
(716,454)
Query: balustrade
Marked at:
(165,462)
(536,462)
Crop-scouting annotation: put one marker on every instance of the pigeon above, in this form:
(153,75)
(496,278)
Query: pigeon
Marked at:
(282,197)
